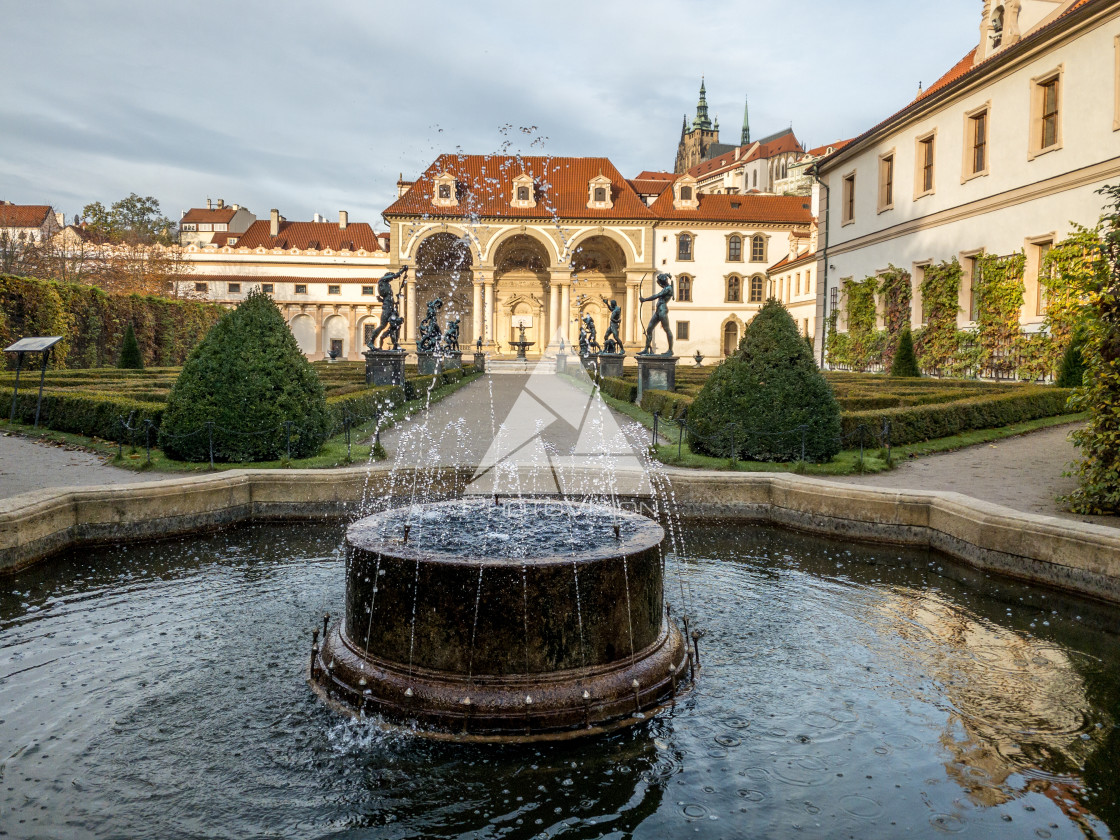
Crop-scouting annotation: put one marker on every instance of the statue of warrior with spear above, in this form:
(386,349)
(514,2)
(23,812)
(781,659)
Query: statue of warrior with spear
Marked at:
(660,314)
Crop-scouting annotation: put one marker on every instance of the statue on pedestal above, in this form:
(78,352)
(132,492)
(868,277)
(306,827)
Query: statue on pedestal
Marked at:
(430,333)
(451,337)
(592,341)
(660,314)
(389,312)
(612,341)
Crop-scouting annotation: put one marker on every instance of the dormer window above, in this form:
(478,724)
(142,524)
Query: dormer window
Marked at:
(523,192)
(685,194)
(599,193)
(446,192)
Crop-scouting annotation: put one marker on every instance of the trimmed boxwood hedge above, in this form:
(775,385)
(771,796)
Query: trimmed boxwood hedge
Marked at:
(92,415)
(911,424)
(620,389)
(669,405)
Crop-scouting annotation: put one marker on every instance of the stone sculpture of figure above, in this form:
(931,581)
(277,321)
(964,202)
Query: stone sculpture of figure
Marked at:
(478,345)
(592,341)
(609,345)
(394,332)
(451,337)
(612,326)
(660,314)
(584,348)
(430,333)
(388,311)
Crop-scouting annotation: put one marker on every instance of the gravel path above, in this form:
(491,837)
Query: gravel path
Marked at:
(27,465)
(1023,472)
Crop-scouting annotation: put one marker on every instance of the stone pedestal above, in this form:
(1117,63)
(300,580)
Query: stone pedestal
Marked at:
(384,367)
(480,362)
(590,364)
(451,361)
(610,364)
(426,363)
(656,373)
(561,362)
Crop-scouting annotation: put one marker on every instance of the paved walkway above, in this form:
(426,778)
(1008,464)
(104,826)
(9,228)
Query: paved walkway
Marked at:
(1024,472)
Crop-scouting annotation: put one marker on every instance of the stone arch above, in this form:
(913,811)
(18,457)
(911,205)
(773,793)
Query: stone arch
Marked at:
(518,306)
(630,256)
(302,326)
(731,330)
(494,246)
(459,232)
(336,328)
(369,321)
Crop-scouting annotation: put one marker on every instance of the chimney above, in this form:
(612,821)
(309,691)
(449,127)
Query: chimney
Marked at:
(737,151)
(221,203)
(208,204)
(342,219)
(236,207)
(274,223)
(61,219)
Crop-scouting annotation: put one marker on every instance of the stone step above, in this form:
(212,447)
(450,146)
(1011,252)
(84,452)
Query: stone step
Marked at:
(498,366)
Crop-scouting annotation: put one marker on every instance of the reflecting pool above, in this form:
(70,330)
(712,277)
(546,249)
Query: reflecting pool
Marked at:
(159,690)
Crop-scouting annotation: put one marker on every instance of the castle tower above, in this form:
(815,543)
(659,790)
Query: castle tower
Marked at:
(697,140)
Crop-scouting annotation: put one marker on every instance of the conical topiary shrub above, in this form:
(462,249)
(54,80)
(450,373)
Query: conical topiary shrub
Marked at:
(1071,370)
(247,388)
(905,362)
(130,357)
(756,401)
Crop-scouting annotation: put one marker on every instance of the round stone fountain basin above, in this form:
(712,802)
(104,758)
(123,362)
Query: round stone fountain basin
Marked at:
(525,618)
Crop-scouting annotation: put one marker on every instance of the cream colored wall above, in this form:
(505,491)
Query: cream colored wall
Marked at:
(1022,199)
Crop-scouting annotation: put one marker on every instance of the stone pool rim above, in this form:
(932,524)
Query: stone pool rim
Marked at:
(1076,557)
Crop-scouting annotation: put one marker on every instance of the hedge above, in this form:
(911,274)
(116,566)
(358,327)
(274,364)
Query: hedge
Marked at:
(92,323)
(620,389)
(670,405)
(911,424)
(92,415)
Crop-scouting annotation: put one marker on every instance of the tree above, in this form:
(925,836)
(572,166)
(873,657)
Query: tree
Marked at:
(905,363)
(130,357)
(766,399)
(1071,369)
(249,389)
(136,220)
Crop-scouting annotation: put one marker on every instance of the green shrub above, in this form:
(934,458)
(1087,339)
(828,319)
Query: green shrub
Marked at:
(1071,371)
(418,387)
(911,424)
(905,364)
(620,389)
(363,406)
(130,351)
(670,405)
(241,386)
(93,415)
(756,401)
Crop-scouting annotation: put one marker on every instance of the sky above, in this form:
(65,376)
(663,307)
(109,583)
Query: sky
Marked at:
(316,108)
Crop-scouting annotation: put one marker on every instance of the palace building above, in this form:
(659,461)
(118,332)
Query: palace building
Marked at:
(1001,155)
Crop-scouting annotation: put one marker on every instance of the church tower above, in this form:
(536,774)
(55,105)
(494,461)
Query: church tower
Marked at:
(697,141)
(745,136)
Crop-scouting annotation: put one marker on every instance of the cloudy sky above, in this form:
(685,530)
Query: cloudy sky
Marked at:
(319,107)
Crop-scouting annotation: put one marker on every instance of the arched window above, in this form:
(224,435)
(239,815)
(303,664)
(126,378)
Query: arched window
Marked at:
(756,289)
(734,248)
(758,248)
(734,289)
(730,338)
(754,178)
(684,246)
(684,288)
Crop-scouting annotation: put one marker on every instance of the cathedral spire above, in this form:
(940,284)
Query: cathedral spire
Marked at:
(702,120)
(745,137)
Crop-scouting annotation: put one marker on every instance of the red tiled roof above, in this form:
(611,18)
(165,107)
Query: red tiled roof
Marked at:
(787,260)
(820,151)
(748,209)
(651,186)
(305,235)
(648,175)
(786,142)
(209,215)
(968,65)
(486,183)
(23,215)
(221,238)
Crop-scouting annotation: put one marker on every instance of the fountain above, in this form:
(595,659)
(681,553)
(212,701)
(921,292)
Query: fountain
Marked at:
(515,619)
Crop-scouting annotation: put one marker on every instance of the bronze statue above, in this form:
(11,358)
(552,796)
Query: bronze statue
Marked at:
(451,337)
(592,341)
(430,333)
(660,314)
(389,311)
(612,345)
(478,345)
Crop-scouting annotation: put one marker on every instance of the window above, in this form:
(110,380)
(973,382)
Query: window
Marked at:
(334,290)
(833,298)
(445,191)
(730,338)
(971,270)
(235,288)
(600,194)
(886,182)
(684,288)
(523,194)
(734,289)
(734,248)
(976,143)
(301,288)
(1046,125)
(756,289)
(684,244)
(797,284)
(268,288)
(190,226)
(686,193)
(368,290)
(758,248)
(924,185)
(805,326)
(1044,270)
(682,330)
(367,333)
(848,207)
(201,287)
